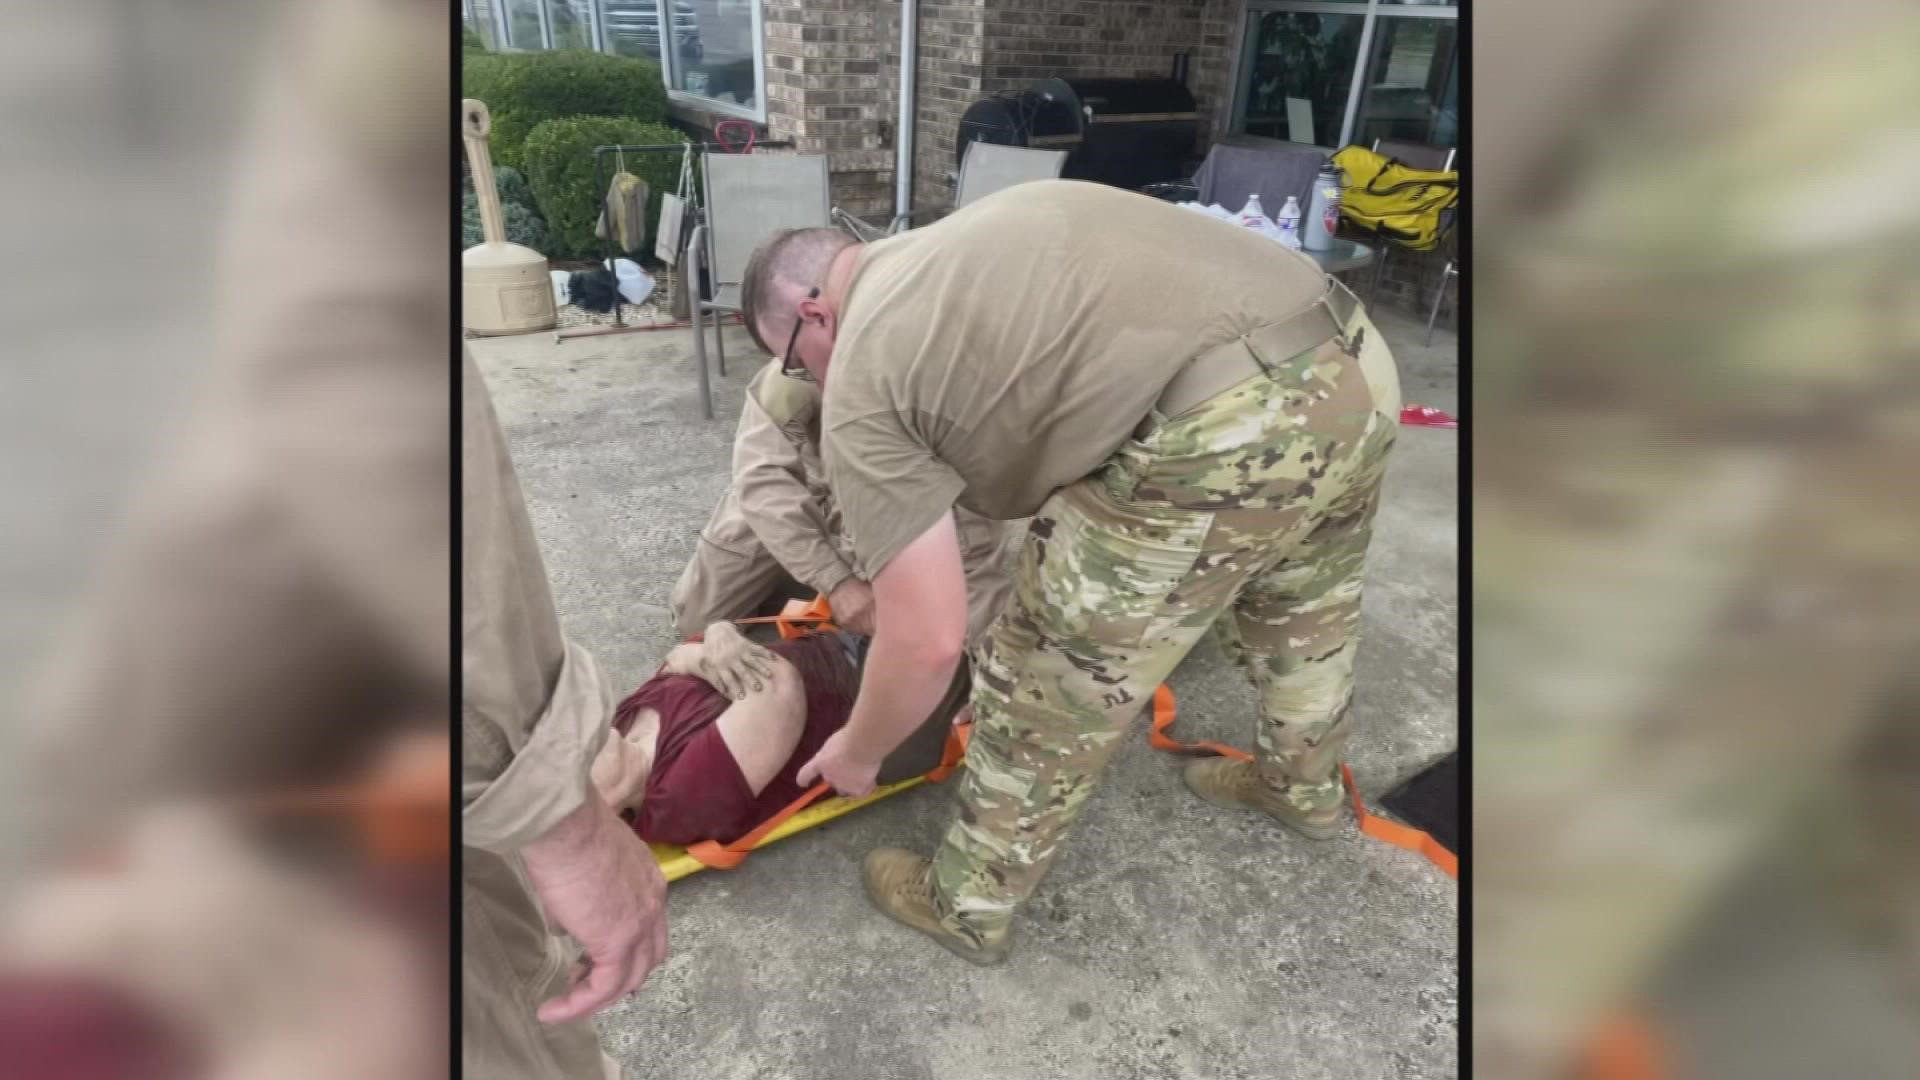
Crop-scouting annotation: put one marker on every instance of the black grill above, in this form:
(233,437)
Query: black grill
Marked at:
(1125,132)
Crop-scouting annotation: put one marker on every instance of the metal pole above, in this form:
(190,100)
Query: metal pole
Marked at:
(903,139)
(606,234)
(699,325)
(502,40)
(1359,74)
(597,20)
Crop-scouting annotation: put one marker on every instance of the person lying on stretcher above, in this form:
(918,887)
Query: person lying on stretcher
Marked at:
(710,746)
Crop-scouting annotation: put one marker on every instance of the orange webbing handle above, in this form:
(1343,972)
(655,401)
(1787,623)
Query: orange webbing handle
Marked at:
(1392,832)
(1624,1048)
(718,856)
(403,813)
(1163,716)
(798,619)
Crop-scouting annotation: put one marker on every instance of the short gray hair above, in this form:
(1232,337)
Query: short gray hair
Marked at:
(797,256)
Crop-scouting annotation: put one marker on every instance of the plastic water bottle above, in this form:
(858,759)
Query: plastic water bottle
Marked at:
(1253,215)
(1323,211)
(1289,223)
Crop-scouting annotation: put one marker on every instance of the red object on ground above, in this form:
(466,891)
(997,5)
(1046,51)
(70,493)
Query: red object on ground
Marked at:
(724,127)
(73,1028)
(1422,416)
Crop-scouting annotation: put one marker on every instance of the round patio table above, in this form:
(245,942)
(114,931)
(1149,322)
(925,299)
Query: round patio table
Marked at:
(1343,256)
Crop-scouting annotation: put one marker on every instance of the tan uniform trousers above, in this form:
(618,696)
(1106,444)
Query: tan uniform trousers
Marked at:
(534,711)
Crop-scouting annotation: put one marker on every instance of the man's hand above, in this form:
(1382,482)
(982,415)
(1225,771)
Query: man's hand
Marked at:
(843,765)
(852,605)
(732,664)
(598,881)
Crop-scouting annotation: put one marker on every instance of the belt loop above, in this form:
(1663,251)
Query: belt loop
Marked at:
(1247,343)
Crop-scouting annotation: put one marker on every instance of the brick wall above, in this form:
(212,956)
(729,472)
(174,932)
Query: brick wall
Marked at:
(833,73)
(832,69)
(954,41)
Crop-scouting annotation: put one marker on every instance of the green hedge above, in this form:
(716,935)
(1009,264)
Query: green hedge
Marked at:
(524,90)
(486,76)
(524,227)
(524,223)
(470,41)
(559,156)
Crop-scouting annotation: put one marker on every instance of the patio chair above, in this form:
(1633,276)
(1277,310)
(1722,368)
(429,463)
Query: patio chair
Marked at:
(986,169)
(1452,272)
(749,197)
(1232,171)
(1420,156)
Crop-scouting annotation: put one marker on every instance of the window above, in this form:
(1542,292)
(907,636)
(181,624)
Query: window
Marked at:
(479,16)
(525,20)
(632,28)
(716,51)
(572,23)
(1297,71)
(1298,78)
(1412,86)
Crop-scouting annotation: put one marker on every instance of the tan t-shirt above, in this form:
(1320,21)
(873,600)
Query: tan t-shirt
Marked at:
(1006,351)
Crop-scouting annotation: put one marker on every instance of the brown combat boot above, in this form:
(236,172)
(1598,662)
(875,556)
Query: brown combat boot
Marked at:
(900,884)
(1236,785)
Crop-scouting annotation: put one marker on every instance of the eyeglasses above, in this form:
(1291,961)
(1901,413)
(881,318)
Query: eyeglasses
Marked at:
(788,366)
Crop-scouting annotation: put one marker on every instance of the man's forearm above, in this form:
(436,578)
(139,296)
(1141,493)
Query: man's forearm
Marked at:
(899,688)
(792,525)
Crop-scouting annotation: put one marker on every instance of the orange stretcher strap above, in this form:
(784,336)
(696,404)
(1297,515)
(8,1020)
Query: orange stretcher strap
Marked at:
(1625,1047)
(717,856)
(1392,832)
(402,814)
(798,620)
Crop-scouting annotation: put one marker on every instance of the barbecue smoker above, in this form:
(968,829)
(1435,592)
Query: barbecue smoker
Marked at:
(1125,132)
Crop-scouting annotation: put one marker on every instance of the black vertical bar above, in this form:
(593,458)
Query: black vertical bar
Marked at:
(606,239)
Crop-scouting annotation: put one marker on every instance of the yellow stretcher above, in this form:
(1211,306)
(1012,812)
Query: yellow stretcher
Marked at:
(814,807)
(678,862)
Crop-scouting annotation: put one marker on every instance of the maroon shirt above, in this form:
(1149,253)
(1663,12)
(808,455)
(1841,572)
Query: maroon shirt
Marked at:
(695,790)
(61,1027)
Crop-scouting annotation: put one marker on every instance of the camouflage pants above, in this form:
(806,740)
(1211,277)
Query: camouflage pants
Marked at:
(1251,511)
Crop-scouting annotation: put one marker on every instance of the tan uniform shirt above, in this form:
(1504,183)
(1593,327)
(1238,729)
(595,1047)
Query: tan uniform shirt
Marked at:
(533,706)
(1005,352)
(780,482)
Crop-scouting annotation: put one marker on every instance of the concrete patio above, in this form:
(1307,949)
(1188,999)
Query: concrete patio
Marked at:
(1172,939)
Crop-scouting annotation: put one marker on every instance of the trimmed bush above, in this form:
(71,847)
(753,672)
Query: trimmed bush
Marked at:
(559,155)
(579,82)
(523,225)
(508,143)
(513,187)
(523,221)
(523,90)
(470,41)
(486,76)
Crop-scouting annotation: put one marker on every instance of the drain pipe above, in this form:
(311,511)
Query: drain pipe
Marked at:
(903,139)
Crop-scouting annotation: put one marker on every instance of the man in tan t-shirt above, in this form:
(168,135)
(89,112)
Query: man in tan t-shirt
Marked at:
(1197,420)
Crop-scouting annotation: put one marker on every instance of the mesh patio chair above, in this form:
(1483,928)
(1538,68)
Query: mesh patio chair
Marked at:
(749,197)
(1419,156)
(987,168)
